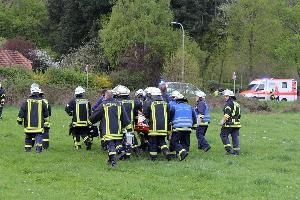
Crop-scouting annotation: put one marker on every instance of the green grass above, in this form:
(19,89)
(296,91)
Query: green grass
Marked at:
(268,167)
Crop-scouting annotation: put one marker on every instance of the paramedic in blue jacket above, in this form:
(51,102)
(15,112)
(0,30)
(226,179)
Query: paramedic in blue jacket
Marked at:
(203,120)
(183,120)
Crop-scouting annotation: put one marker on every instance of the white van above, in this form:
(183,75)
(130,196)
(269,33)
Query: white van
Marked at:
(283,89)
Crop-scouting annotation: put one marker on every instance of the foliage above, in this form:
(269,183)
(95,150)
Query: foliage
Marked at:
(24,18)
(133,79)
(250,27)
(138,22)
(142,63)
(74,22)
(90,54)
(193,61)
(196,16)
(269,147)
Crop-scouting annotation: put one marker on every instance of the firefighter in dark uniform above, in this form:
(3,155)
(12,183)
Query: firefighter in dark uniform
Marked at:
(47,126)
(33,115)
(183,120)
(157,112)
(231,124)
(113,118)
(162,85)
(203,120)
(79,108)
(140,96)
(131,107)
(2,99)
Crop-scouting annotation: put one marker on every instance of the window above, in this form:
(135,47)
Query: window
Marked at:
(260,87)
(284,84)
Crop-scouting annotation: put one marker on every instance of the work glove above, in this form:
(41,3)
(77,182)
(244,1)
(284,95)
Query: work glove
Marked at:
(222,122)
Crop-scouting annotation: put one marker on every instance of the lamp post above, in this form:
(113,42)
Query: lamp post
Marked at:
(182,68)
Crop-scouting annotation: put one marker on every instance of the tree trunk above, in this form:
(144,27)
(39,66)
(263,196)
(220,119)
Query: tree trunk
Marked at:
(251,45)
(221,71)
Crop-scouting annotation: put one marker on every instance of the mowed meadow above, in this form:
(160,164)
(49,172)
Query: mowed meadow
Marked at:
(268,167)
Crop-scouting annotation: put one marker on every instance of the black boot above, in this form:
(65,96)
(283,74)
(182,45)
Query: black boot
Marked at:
(166,153)
(182,155)
(88,145)
(112,161)
(27,149)
(153,158)
(39,149)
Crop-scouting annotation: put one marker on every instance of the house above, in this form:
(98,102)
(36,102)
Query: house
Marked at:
(13,58)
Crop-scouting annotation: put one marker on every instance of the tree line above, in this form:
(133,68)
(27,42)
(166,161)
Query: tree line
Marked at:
(135,43)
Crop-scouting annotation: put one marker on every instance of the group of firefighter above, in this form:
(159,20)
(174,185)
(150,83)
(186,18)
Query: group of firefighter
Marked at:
(153,122)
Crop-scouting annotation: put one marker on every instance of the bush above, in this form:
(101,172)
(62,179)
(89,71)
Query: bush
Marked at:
(133,79)
(59,84)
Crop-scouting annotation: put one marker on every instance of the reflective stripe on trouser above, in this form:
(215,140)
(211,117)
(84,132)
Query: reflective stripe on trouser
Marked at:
(82,132)
(200,134)
(46,138)
(114,146)
(32,139)
(180,140)
(156,142)
(234,132)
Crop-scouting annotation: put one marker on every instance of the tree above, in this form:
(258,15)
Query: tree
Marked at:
(139,33)
(194,58)
(251,25)
(288,50)
(27,19)
(74,22)
(138,22)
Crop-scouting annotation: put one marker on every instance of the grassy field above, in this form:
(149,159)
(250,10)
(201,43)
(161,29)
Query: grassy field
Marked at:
(268,167)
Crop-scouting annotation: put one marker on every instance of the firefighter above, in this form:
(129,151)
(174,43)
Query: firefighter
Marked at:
(100,100)
(172,102)
(174,94)
(157,112)
(113,118)
(80,109)
(131,107)
(203,120)
(33,115)
(47,126)
(183,120)
(2,99)
(162,85)
(231,124)
(140,121)
(140,95)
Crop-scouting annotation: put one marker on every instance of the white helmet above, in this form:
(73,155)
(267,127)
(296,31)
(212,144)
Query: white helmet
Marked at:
(177,95)
(155,92)
(200,94)
(140,92)
(35,88)
(228,93)
(79,90)
(121,90)
(149,89)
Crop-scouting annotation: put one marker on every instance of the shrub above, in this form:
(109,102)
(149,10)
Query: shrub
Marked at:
(133,79)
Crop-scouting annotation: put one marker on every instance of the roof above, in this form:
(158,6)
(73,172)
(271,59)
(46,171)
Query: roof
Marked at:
(10,58)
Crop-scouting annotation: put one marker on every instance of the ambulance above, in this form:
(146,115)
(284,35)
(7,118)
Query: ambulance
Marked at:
(266,88)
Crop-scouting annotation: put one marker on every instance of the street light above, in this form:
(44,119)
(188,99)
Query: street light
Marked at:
(182,68)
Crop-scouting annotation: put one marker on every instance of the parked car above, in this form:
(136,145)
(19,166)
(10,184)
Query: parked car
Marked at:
(187,89)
